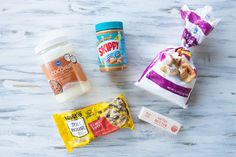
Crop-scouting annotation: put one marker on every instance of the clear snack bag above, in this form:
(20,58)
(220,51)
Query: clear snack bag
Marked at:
(172,74)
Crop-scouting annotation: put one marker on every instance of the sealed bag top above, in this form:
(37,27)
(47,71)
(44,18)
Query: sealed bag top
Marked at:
(198,24)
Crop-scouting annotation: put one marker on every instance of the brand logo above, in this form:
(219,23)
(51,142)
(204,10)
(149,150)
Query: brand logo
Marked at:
(107,47)
(195,30)
(73,116)
(58,63)
(61,69)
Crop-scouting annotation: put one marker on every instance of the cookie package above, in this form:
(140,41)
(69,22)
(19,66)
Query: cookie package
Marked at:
(172,74)
(79,127)
(160,121)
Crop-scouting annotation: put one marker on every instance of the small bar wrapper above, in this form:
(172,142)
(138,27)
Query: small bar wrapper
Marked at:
(159,120)
(172,74)
(79,127)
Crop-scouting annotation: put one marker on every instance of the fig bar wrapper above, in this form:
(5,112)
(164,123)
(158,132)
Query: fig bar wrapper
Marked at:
(79,127)
(172,74)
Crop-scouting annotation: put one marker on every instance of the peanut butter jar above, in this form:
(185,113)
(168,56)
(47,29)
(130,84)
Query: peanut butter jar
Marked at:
(111,46)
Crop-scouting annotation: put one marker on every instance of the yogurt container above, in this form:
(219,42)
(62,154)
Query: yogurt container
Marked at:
(61,67)
(111,46)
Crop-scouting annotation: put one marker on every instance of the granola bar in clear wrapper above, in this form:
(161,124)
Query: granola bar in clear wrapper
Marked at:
(172,74)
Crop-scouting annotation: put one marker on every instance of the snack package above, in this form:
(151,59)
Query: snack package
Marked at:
(79,127)
(159,120)
(172,74)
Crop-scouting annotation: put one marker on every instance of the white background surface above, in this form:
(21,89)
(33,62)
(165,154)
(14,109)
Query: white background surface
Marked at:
(27,103)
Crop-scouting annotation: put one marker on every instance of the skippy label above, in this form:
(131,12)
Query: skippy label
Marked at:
(159,120)
(107,47)
(79,127)
(111,49)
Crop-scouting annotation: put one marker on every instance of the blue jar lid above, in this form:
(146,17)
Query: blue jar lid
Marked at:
(109,25)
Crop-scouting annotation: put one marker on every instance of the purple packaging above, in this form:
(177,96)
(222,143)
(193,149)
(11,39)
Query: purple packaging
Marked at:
(172,74)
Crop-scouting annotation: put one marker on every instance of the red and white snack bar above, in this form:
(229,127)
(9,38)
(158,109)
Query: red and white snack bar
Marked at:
(159,120)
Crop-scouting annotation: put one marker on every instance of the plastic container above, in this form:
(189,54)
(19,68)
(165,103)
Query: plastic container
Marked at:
(61,67)
(111,46)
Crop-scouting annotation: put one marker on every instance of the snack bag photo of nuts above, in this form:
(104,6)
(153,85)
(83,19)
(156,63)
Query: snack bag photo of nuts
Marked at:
(186,72)
(112,60)
(169,66)
(120,59)
(179,66)
(116,113)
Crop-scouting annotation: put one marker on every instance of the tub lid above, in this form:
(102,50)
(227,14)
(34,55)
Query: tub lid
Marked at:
(51,39)
(109,25)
